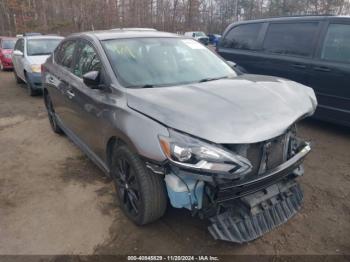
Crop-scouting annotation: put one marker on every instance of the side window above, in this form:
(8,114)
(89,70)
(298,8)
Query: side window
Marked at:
(291,38)
(20,45)
(87,60)
(16,45)
(336,46)
(64,54)
(242,37)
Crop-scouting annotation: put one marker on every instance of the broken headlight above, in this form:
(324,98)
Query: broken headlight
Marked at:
(189,152)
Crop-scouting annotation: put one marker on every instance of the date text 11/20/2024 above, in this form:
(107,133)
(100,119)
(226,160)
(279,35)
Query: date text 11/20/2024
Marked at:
(173,258)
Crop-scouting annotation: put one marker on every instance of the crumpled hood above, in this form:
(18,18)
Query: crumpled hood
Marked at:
(37,59)
(246,109)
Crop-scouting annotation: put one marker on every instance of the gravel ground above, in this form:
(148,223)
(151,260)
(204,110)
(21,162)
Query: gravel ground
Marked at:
(53,200)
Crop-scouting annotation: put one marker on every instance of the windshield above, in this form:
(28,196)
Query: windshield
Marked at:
(163,62)
(41,46)
(8,44)
(200,34)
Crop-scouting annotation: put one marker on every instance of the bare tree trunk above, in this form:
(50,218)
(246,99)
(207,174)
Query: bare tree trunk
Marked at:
(174,14)
(43,2)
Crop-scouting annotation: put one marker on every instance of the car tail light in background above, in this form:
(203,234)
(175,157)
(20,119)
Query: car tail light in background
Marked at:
(42,68)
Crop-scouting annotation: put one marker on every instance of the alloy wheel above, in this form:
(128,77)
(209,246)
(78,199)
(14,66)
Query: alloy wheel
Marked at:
(127,187)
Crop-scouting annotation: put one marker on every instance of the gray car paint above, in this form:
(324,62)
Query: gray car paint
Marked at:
(241,110)
(245,109)
(108,112)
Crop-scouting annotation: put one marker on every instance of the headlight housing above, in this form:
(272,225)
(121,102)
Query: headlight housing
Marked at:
(192,153)
(36,68)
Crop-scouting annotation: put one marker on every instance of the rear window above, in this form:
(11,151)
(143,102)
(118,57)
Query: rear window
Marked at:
(336,46)
(291,38)
(242,37)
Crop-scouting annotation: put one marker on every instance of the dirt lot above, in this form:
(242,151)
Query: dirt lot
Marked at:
(53,200)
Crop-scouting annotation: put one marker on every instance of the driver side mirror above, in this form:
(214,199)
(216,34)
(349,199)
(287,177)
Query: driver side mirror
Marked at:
(238,69)
(17,53)
(231,64)
(92,79)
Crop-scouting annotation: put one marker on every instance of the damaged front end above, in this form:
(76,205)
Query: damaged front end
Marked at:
(245,190)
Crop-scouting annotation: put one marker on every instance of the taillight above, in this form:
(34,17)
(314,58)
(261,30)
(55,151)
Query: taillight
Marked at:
(42,68)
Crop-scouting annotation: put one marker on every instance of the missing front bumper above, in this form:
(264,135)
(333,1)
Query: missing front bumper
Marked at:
(256,214)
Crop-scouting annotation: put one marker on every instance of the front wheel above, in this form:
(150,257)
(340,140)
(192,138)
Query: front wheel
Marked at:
(141,193)
(17,78)
(51,114)
(31,91)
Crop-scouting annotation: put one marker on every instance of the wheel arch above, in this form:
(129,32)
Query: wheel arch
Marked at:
(115,141)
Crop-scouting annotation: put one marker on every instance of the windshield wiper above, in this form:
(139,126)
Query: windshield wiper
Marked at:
(142,86)
(35,54)
(211,79)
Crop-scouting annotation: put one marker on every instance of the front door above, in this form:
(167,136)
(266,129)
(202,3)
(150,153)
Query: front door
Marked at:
(87,105)
(241,45)
(18,59)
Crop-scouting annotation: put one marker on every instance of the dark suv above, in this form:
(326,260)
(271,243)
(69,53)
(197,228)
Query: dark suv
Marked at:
(314,51)
(166,126)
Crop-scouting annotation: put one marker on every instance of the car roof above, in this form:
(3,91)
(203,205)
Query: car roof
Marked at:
(43,37)
(8,37)
(123,33)
(295,18)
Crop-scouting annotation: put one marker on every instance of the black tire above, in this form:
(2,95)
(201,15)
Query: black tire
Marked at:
(31,91)
(51,115)
(2,67)
(141,193)
(18,80)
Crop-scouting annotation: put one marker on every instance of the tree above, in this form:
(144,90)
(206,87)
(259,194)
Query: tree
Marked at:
(67,16)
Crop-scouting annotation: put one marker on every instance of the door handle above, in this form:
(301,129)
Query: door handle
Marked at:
(299,66)
(70,94)
(322,69)
(51,80)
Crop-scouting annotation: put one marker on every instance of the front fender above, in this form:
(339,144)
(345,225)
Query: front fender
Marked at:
(138,132)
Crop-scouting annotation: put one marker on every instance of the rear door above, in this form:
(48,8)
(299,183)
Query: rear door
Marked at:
(60,78)
(330,74)
(288,49)
(241,44)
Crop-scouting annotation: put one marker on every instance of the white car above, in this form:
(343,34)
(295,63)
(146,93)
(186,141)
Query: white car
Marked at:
(199,36)
(29,53)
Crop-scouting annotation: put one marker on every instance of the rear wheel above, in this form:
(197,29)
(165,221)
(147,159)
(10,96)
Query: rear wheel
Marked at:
(141,193)
(51,114)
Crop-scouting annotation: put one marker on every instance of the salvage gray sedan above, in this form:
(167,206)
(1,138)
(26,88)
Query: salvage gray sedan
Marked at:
(169,120)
